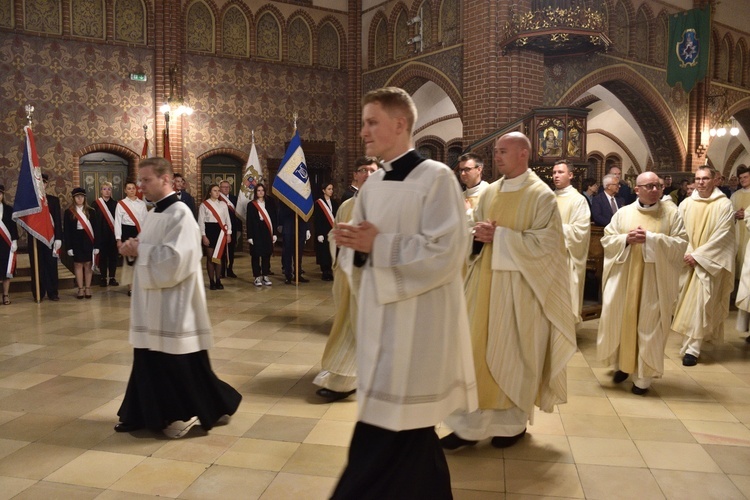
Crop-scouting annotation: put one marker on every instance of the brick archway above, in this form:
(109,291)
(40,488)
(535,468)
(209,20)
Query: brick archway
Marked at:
(105,147)
(422,72)
(647,107)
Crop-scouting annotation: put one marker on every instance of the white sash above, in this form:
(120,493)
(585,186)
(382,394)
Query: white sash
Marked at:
(130,214)
(264,215)
(103,207)
(326,210)
(221,243)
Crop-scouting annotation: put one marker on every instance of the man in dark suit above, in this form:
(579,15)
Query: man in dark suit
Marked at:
(48,280)
(605,204)
(182,195)
(361,172)
(231,201)
(286,221)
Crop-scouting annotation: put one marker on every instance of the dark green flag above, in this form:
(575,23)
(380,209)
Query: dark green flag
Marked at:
(688,47)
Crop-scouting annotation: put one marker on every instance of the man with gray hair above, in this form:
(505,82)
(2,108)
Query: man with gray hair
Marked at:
(606,203)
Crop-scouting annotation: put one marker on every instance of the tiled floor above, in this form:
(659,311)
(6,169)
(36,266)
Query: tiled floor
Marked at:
(64,365)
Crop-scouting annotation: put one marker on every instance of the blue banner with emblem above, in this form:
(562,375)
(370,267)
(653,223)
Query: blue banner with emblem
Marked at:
(292,184)
(688,47)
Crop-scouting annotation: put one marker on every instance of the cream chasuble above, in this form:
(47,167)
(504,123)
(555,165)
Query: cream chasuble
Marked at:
(414,364)
(741,199)
(522,325)
(576,220)
(703,304)
(641,284)
(339,362)
(471,195)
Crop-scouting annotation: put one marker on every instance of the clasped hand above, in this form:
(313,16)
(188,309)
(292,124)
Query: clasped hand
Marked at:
(129,248)
(635,236)
(484,231)
(359,237)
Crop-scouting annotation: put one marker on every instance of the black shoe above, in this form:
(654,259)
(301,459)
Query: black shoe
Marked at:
(332,396)
(453,442)
(747,339)
(288,281)
(689,360)
(230,274)
(219,286)
(327,277)
(302,279)
(113,282)
(54,298)
(507,441)
(212,286)
(103,281)
(126,427)
(619,376)
(638,391)
(130,292)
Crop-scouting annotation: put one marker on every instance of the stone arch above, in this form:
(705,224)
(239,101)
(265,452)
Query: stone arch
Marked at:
(660,38)
(237,154)
(342,38)
(400,30)
(372,58)
(194,39)
(654,117)
(275,14)
(435,143)
(312,32)
(249,22)
(417,70)
(727,170)
(105,147)
(622,9)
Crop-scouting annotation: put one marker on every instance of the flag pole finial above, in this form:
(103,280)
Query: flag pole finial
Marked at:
(252,133)
(145,131)
(29,112)
(295,116)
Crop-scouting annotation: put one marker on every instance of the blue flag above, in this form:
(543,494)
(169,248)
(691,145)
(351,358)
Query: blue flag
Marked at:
(292,184)
(30,208)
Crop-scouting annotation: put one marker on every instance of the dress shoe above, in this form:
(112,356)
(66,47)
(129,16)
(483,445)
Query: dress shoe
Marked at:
(302,279)
(747,339)
(230,274)
(453,442)
(332,396)
(103,281)
(619,376)
(219,286)
(127,427)
(638,391)
(507,441)
(113,282)
(130,292)
(288,281)
(689,360)
(54,298)
(212,286)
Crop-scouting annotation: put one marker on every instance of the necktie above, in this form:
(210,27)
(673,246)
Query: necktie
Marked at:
(613,205)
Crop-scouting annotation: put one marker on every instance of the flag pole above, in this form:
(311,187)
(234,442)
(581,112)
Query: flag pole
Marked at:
(297,261)
(29,112)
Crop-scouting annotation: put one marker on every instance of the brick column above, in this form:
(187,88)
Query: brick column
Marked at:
(354,87)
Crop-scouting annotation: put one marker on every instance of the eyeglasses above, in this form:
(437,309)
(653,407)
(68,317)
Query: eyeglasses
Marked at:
(466,169)
(650,187)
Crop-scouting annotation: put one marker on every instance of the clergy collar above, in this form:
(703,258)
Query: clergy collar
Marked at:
(518,180)
(388,165)
(166,202)
(647,207)
(474,190)
(400,167)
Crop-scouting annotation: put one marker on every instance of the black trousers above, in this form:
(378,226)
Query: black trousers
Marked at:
(48,280)
(108,257)
(261,265)
(227,263)
(394,465)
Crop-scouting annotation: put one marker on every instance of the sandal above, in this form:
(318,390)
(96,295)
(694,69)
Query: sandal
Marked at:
(6,300)
(88,292)
(80,293)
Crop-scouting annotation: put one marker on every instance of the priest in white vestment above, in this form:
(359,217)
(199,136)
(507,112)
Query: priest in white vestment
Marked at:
(708,276)
(338,377)
(576,222)
(470,167)
(643,249)
(740,202)
(522,323)
(170,329)
(403,252)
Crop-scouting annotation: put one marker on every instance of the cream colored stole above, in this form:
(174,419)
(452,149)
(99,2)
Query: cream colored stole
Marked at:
(650,221)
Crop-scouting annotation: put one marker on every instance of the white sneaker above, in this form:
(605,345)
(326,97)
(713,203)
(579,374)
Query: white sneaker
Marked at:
(258,282)
(266,281)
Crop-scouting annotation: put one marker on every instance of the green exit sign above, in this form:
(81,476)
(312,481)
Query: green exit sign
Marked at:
(138,77)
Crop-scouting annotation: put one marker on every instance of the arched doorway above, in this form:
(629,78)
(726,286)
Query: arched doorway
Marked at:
(99,167)
(220,167)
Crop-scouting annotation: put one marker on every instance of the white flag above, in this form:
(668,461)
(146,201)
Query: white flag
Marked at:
(250,178)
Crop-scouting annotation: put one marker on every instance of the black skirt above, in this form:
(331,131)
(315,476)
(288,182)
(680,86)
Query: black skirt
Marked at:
(4,257)
(82,247)
(128,232)
(212,233)
(164,388)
